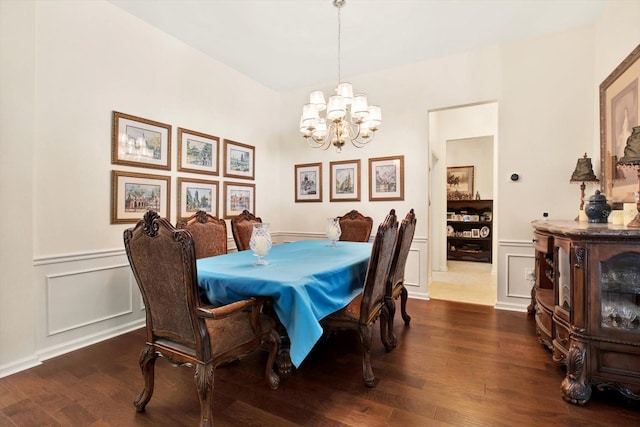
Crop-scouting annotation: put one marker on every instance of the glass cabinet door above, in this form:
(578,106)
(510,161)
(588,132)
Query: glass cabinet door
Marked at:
(620,292)
(564,277)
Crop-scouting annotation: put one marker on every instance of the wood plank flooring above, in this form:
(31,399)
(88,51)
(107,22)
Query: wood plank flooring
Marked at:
(456,365)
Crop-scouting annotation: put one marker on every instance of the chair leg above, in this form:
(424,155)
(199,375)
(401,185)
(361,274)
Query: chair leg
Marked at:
(386,328)
(365,338)
(147,361)
(204,384)
(274,343)
(403,306)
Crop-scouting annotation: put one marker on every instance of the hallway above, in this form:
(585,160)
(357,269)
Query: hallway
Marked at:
(465,281)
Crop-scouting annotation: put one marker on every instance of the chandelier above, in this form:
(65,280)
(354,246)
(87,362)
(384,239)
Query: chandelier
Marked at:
(346,117)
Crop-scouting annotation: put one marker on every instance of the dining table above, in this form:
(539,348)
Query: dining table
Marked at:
(307,280)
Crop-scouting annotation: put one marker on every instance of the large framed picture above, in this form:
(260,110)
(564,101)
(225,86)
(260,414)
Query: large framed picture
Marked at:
(197,195)
(239,196)
(459,182)
(619,113)
(140,142)
(239,160)
(345,181)
(133,194)
(386,178)
(198,152)
(308,179)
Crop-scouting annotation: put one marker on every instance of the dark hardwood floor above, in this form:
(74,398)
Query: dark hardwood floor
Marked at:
(456,365)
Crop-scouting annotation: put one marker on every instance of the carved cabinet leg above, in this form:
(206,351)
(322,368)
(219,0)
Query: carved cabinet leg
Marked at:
(575,388)
(204,384)
(147,361)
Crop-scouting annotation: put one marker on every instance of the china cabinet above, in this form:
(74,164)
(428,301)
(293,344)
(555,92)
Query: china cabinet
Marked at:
(586,302)
(469,230)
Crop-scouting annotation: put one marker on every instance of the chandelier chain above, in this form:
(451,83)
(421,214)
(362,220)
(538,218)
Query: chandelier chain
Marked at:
(339,47)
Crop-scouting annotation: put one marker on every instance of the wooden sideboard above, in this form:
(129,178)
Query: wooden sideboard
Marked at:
(586,301)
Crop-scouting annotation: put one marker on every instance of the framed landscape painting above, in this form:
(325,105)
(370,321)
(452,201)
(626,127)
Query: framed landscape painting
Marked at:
(238,196)
(386,175)
(239,160)
(619,113)
(198,152)
(197,195)
(140,142)
(345,181)
(308,179)
(133,194)
(459,182)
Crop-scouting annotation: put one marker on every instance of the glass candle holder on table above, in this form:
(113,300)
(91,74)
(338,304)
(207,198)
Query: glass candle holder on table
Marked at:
(260,242)
(333,231)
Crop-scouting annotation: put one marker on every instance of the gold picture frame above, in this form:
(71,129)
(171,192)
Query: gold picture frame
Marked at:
(196,194)
(460,182)
(133,194)
(140,142)
(345,181)
(198,152)
(239,196)
(308,180)
(386,178)
(619,112)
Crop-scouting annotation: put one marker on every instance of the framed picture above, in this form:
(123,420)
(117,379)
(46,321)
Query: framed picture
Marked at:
(239,160)
(345,181)
(308,179)
(466,233)
(239,196)
(459,182)
(133,194)
(198,152)
(195,195)
(386,178)
(475,233)
(619,113)
(140,142)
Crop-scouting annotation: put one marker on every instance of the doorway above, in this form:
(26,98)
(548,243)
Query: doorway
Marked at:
(464,134)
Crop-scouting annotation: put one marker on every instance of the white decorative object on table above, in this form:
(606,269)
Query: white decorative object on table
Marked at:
(333,231)
(260,242)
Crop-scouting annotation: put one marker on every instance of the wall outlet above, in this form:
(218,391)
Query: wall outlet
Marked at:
(529,275)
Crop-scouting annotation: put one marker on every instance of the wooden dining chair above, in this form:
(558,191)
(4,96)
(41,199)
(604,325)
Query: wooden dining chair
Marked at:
(362,312)
(242,227)
(355,227)
(395,283)
(209,234)
(179,327)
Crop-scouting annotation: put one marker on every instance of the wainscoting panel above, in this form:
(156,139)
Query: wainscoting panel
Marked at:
(514,289)
(105,293)
(83,299)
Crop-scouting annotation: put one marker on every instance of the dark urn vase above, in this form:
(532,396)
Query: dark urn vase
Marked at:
(597,209)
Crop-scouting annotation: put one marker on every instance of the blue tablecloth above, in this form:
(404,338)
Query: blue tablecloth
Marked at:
(308,280)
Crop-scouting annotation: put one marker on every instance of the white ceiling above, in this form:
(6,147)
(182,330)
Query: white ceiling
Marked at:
(287,44)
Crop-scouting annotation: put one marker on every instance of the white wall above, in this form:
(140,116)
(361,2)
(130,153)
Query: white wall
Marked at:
(66,65)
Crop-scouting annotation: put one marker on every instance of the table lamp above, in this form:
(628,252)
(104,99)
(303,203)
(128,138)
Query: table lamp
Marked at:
(583,173)
(631,159)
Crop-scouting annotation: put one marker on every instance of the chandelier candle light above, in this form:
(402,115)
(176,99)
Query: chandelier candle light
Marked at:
(346,117)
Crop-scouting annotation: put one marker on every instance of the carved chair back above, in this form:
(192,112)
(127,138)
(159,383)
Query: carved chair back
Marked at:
(364,310)
(395,283)
(209,234)
(355,227)
(179,326)
(163,262)
(242,227)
